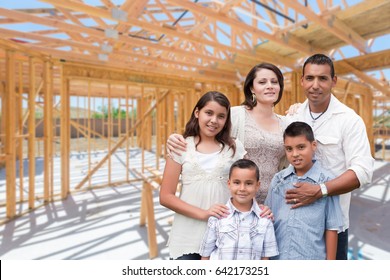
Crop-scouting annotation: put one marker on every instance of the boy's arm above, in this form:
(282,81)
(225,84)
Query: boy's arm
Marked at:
(331,244)
(209,241)
(270,246)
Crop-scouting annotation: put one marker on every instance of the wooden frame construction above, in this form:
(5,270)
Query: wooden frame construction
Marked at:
(50,85)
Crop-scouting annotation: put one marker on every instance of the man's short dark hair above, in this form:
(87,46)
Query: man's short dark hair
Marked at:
(319,59)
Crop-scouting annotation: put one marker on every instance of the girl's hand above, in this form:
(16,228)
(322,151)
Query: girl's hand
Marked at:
(175,144)
(218,210)
(266,212)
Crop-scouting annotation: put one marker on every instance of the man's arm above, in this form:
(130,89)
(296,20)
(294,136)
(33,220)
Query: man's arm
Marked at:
(176,144)
(345,183)
(359,164)
(306,193)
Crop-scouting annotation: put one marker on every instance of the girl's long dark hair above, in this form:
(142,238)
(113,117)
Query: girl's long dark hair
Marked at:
(223,137)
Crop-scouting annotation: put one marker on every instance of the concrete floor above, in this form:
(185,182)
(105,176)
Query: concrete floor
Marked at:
(104,224)
(96,224)
(369,233)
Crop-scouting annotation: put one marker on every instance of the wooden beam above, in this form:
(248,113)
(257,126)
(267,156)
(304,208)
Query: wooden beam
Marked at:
(108,4)
(48,132)
(123,55)
(368,62)
(121,141)
(228,5)
(372,81)
(99,34)
(147,212)
(31,138)
(19,126)
(64,55)
(10,130)
(65,135)
(331,24)
(6,33)
(134,9)
(167,30)
(287,40)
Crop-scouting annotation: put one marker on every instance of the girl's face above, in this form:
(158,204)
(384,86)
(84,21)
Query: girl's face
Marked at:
(211,119)
(266,87)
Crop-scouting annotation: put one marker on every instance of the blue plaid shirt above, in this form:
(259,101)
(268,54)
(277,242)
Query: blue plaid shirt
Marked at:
(300,232)
(240,236)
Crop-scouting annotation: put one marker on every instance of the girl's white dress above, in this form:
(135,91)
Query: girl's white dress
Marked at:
(202,189)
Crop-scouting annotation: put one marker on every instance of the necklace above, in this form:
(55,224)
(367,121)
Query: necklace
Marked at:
(316,118)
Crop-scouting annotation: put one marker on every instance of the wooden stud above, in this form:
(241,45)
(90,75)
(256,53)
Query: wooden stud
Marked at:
(65,136)
(109,133)
(10,129)
(120,142)
(31,137)
(20,139)
(48,137)
(89,129)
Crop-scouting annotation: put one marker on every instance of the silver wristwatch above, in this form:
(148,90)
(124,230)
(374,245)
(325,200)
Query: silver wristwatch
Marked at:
(324,190)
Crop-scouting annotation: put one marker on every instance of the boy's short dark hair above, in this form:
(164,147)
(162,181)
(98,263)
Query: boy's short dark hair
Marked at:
(297,129)
(245,164)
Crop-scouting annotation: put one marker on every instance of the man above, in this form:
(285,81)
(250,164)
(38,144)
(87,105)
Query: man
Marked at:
(343,146)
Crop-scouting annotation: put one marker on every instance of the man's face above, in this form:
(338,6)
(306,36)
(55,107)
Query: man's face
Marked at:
(317,84)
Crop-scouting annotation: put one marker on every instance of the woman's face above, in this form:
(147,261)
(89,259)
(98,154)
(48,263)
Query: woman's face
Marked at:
(266,87)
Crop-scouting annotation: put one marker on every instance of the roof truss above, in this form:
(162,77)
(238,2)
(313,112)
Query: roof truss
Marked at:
(210,39)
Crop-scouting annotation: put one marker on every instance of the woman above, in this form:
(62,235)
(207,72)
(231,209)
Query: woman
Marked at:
(256,125)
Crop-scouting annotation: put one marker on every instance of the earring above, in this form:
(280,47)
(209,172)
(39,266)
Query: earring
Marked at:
(253,98)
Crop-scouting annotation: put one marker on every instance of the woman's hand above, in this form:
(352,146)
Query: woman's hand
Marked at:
(175,144)
(266,212)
